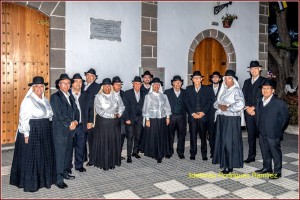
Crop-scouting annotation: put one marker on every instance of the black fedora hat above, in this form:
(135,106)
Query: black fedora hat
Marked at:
(62,77)
(268,82)
(254,63)
(230,72)
(116,79)
(147,73)
(91,71)
(37,80)
(106,81)
(196,73)
(77,76)
(176,78)
(157,80)
(215,73)
(137,79)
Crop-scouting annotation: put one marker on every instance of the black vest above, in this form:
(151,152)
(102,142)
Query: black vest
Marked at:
(262,119)
(198,106)
(179,106)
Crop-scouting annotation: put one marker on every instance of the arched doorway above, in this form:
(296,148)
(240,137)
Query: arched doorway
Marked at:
(209,56)
(25,54)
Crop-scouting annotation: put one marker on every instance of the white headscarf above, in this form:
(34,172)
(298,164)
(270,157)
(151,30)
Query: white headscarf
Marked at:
(159,90)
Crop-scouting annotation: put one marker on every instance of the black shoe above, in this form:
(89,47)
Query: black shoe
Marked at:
(226,171)
(263,171)
(168,156)
(249,160)
(122,158)
(69,177)
(204,158)
(62,185)
(69,171)
(129,159)
(136,155)
(159,160)
(192,158)
(211,156)
(89,164)
(181,156)
(82,169)
(275,176)
(105,169)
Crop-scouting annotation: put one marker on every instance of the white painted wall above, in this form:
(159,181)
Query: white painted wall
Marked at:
(180,22)
(109,58)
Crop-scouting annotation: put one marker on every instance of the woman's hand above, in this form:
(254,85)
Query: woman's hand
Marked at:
(26,139)
(148,123)
(168,121)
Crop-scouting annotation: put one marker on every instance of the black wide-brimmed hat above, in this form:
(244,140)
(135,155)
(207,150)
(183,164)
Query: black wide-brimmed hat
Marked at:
(147,73)
(215,73)
(62,77)
(106,81)
(196,73)
(137,79)
(268,82)
(91,71)
(176,78)
(77,76)
(230,72)
(254,63)
(116,79)
(37,80)
(157,80)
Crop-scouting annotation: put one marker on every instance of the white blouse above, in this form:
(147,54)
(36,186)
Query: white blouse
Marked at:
(156,105)
(32,107)
(107,105)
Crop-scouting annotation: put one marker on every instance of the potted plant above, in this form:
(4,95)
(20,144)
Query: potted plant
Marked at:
(228,19)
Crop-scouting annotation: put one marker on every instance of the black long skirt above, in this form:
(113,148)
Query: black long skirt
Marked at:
(156,138)
(33,165)
(107,143)
(228,150)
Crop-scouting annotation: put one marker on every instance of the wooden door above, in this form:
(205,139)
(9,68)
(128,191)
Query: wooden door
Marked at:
(24,54)
(209,56)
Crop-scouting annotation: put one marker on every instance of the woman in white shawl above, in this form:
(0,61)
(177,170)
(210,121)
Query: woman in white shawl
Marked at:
(156,113)
(33,165)
(229,116)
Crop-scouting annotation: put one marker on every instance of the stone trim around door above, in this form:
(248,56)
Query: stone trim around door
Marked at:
(56,12)
(222,39)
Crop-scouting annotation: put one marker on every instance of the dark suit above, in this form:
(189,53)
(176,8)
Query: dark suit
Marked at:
(252,92)
(177,121)
(272,119)
(211,119)
(122,125)
(64,114)
(200,101)
(142,139)
(133,113)
(87,116)
(145,90)
(93,89)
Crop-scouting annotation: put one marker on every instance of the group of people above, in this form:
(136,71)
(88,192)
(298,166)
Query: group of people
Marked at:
(103,115)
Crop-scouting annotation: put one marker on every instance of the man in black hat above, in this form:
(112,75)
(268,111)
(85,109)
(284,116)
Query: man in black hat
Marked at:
(199,102)
(93,88)
(117,86)
(251,93)
(85,106)
(272,118)
(65,120)
(147,78)
(134,102)
(177,99)
(216,80)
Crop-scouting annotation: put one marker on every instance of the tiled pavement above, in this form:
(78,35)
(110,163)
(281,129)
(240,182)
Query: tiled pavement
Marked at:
(144,178)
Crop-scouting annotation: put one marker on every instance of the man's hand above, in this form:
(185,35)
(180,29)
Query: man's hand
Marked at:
(168,121)
(196,116)
(250,110)
(148,123)
(26,139)
(89,125)
(200,114)
(128,122)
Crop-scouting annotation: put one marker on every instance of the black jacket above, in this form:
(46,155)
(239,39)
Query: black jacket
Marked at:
(276,117)
(93,89)
(132,106)
(252,93)
(173,99)
(214,96)
(145,90)
(205,101)
(64,113)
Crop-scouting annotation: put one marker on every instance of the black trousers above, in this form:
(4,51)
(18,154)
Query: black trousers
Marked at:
(198,126)
(177,124)
(133,135)
(211,129)
(79,144)
(90,138)
(252,134)
(270,149)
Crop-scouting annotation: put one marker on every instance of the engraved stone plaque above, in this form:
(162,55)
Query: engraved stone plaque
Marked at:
(105,29)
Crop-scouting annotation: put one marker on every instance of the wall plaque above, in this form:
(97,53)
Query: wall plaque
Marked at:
(105,29)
